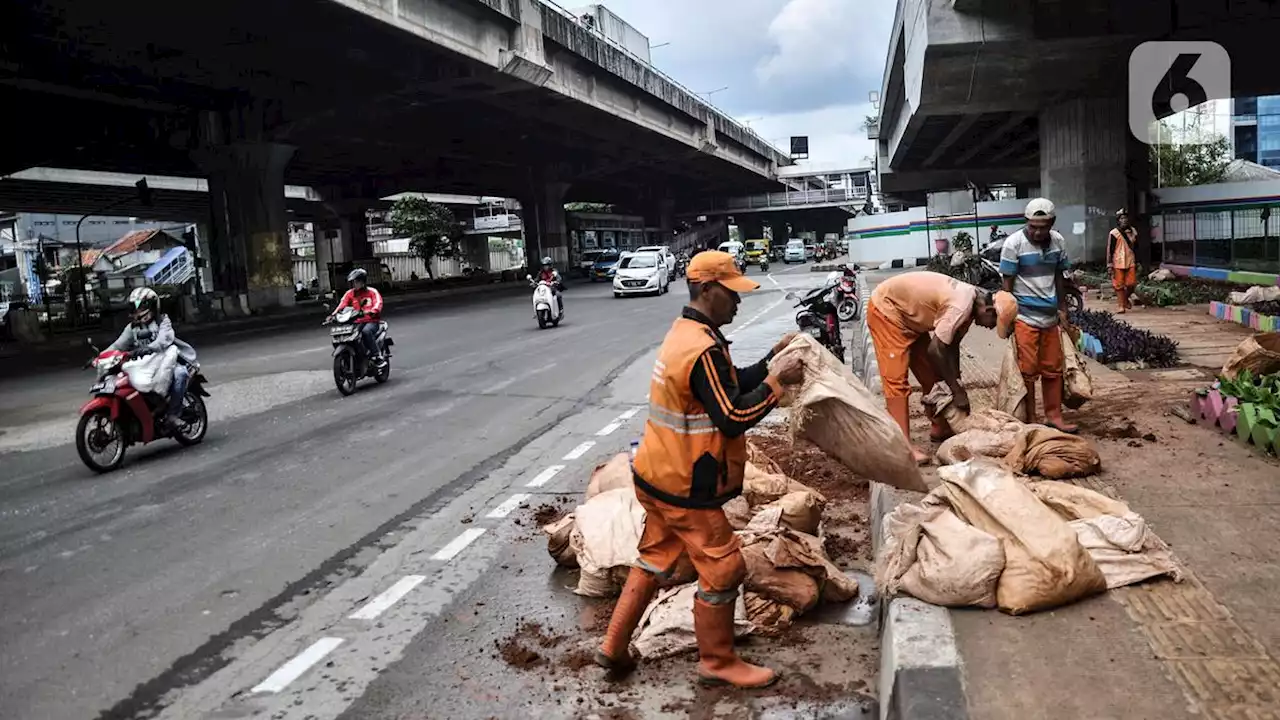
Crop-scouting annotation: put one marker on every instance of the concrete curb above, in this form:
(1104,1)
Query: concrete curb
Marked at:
(920,671)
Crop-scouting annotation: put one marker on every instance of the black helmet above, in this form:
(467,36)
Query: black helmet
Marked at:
(358,274)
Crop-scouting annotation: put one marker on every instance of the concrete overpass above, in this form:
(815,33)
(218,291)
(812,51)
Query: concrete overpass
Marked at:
(1034,93)
(360,99)
(817,200)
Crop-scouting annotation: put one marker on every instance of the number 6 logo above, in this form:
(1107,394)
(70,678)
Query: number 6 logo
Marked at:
(1168,77)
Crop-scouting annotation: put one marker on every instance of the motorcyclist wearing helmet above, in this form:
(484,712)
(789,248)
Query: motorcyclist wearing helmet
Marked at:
(368,301)
(152,332)
(549,274)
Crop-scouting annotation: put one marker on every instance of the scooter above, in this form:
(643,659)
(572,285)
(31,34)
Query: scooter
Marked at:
(848,306)
(548,307)
(119,415)
(350,361)
(818,318)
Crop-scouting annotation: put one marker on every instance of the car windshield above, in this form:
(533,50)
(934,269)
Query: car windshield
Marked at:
(591,255)
(607,256)
(755,244)
(639,261)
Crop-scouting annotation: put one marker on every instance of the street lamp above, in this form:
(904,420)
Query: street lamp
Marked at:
(713,92)
(655,47)
(143,197)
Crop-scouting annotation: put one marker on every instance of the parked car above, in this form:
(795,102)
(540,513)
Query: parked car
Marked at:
(641,273)
(810,252)
(603,267)
(794,253)
(668,257)
(586,262)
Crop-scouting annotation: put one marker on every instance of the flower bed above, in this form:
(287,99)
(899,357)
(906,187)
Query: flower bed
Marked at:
(1245,407)
(1118,341)
(1250,317)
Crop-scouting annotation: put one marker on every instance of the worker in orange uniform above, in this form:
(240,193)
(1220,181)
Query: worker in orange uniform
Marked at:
(917,321)
(1122,260)
(1032,264)
(690,462)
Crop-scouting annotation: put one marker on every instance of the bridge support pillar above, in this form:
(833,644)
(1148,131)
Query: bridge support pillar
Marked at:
(750,227)
(780,231)
(1087,160)
(546,231)
(249,247)
(475,250)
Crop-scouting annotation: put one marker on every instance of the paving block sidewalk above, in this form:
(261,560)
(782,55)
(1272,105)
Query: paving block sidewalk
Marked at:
(1207,647)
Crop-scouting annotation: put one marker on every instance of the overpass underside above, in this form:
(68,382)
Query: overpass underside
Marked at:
(359,99)
(1035,93)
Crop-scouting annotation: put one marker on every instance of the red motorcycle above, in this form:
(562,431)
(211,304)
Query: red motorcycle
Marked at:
(120,415)
(848,306)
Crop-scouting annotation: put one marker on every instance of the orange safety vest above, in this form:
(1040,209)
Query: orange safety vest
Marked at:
(683,459)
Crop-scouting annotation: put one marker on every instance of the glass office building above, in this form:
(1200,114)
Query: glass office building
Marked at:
(1255,129)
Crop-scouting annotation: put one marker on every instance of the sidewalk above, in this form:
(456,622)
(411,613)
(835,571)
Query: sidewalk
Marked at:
(1207,647)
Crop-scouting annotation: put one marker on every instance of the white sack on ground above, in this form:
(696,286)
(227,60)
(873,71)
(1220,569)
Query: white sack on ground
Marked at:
(1161,275)
(834,410)
(1255,294)
(614,474)
(1077,383)
(976,443)
(666,628)
(606,535)
(931,554)
(1045,565)
(761,488)
(558,545)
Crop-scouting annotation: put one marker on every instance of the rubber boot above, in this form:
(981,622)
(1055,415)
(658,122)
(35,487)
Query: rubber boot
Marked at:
(1053,405)
(900,410)
(939,428)
(1030,401)
(614,653)
(1122,300)
(718,663)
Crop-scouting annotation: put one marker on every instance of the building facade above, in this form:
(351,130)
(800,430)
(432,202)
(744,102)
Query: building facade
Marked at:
(1255,129)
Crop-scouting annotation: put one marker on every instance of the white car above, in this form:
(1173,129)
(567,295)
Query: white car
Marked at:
(641,273)
(667,257)
(794,253)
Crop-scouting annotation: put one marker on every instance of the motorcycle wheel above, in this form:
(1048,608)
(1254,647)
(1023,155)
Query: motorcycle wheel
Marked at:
(1075,302)
(87,431)
(192,433)
(344,372)
(543,319)
(384,373)
(847,311)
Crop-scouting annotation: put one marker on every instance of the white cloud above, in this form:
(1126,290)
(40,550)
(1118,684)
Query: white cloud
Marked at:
(837,138)
(811,36)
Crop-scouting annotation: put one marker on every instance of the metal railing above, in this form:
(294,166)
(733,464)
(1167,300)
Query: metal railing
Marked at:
(792,198)
(697,97)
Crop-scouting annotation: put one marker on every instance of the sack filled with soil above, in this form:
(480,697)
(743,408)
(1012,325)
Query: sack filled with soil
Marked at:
(613,474)
(1049,453)
(835,411)
(931,554)
(1259,354)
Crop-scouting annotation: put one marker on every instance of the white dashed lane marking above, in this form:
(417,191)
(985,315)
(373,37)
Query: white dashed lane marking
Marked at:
(545,476)
(629,414)
(458,544)
(505,508)
(389,597)
(608,429)
(581,450)
(292,670)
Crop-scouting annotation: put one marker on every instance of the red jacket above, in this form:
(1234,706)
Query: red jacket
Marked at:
(368,301)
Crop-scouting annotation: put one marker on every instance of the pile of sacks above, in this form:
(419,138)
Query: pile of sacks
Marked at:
(988,538)
(778,519)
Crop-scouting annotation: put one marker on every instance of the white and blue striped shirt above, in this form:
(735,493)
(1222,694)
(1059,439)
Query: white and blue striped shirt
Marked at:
(1035,272)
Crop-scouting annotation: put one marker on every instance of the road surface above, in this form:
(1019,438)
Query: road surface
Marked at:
(320,555)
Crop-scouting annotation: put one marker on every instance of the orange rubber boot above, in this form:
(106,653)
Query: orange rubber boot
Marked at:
(614,653)
(718,663)
(900,410)
(1030,400)
(1122,300)
(1053,406)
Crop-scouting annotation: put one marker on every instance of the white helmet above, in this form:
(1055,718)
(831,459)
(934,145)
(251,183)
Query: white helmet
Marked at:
(1041,209)
(145,303)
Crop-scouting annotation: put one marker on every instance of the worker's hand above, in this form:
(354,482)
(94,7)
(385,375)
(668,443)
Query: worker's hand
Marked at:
(790,370)
(784,342)
(960,400)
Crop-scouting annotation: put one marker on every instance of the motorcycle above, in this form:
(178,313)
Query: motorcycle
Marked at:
(548,307)
(764,263)
(119,415)
(682,264)
(988,278)
(350,361)
(848,306)
(818,318)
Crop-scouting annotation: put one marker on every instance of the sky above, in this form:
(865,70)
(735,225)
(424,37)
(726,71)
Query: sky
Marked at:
(790,67)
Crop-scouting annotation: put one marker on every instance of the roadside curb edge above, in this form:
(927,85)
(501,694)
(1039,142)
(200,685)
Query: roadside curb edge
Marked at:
(920,669)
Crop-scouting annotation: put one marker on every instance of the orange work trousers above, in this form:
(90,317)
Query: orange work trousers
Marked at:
(705,535)
(1124,278)
(1039,351)
(897,351)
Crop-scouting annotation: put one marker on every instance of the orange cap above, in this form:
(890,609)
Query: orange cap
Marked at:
(719,267)
(1006,313)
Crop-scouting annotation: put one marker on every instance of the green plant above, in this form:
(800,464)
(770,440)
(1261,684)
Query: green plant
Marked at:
(962,242)
(1263,391)
(432,229)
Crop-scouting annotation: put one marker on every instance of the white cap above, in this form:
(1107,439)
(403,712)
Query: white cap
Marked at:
(1041,208)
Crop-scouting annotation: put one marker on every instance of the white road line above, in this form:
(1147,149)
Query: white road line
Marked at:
(389,597)
(545,476)
(458,544)
(581,450)
(629,414)
(773,280)
(292,670)
(608,429)
(505,508)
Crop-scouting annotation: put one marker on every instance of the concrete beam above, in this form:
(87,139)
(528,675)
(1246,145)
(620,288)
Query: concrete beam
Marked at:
(1016,146)
(957,132)
(1014,121)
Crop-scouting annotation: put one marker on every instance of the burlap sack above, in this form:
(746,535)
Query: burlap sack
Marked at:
(801,511)
(1259,353)
(1073,502)
(834,410)
(790,586)
(613,474)
(1077,383)
(558,544)
(931,554)
(1011,391)
(1053,454)
(756,456)
(976,443)
(738,512)
(770,618)
(761,488)
(1045,565)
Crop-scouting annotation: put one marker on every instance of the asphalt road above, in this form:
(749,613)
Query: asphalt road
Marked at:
(184,579)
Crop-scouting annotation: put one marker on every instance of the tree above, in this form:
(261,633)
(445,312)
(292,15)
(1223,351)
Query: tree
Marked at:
(432,229)
(588,207)
(1188,153)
